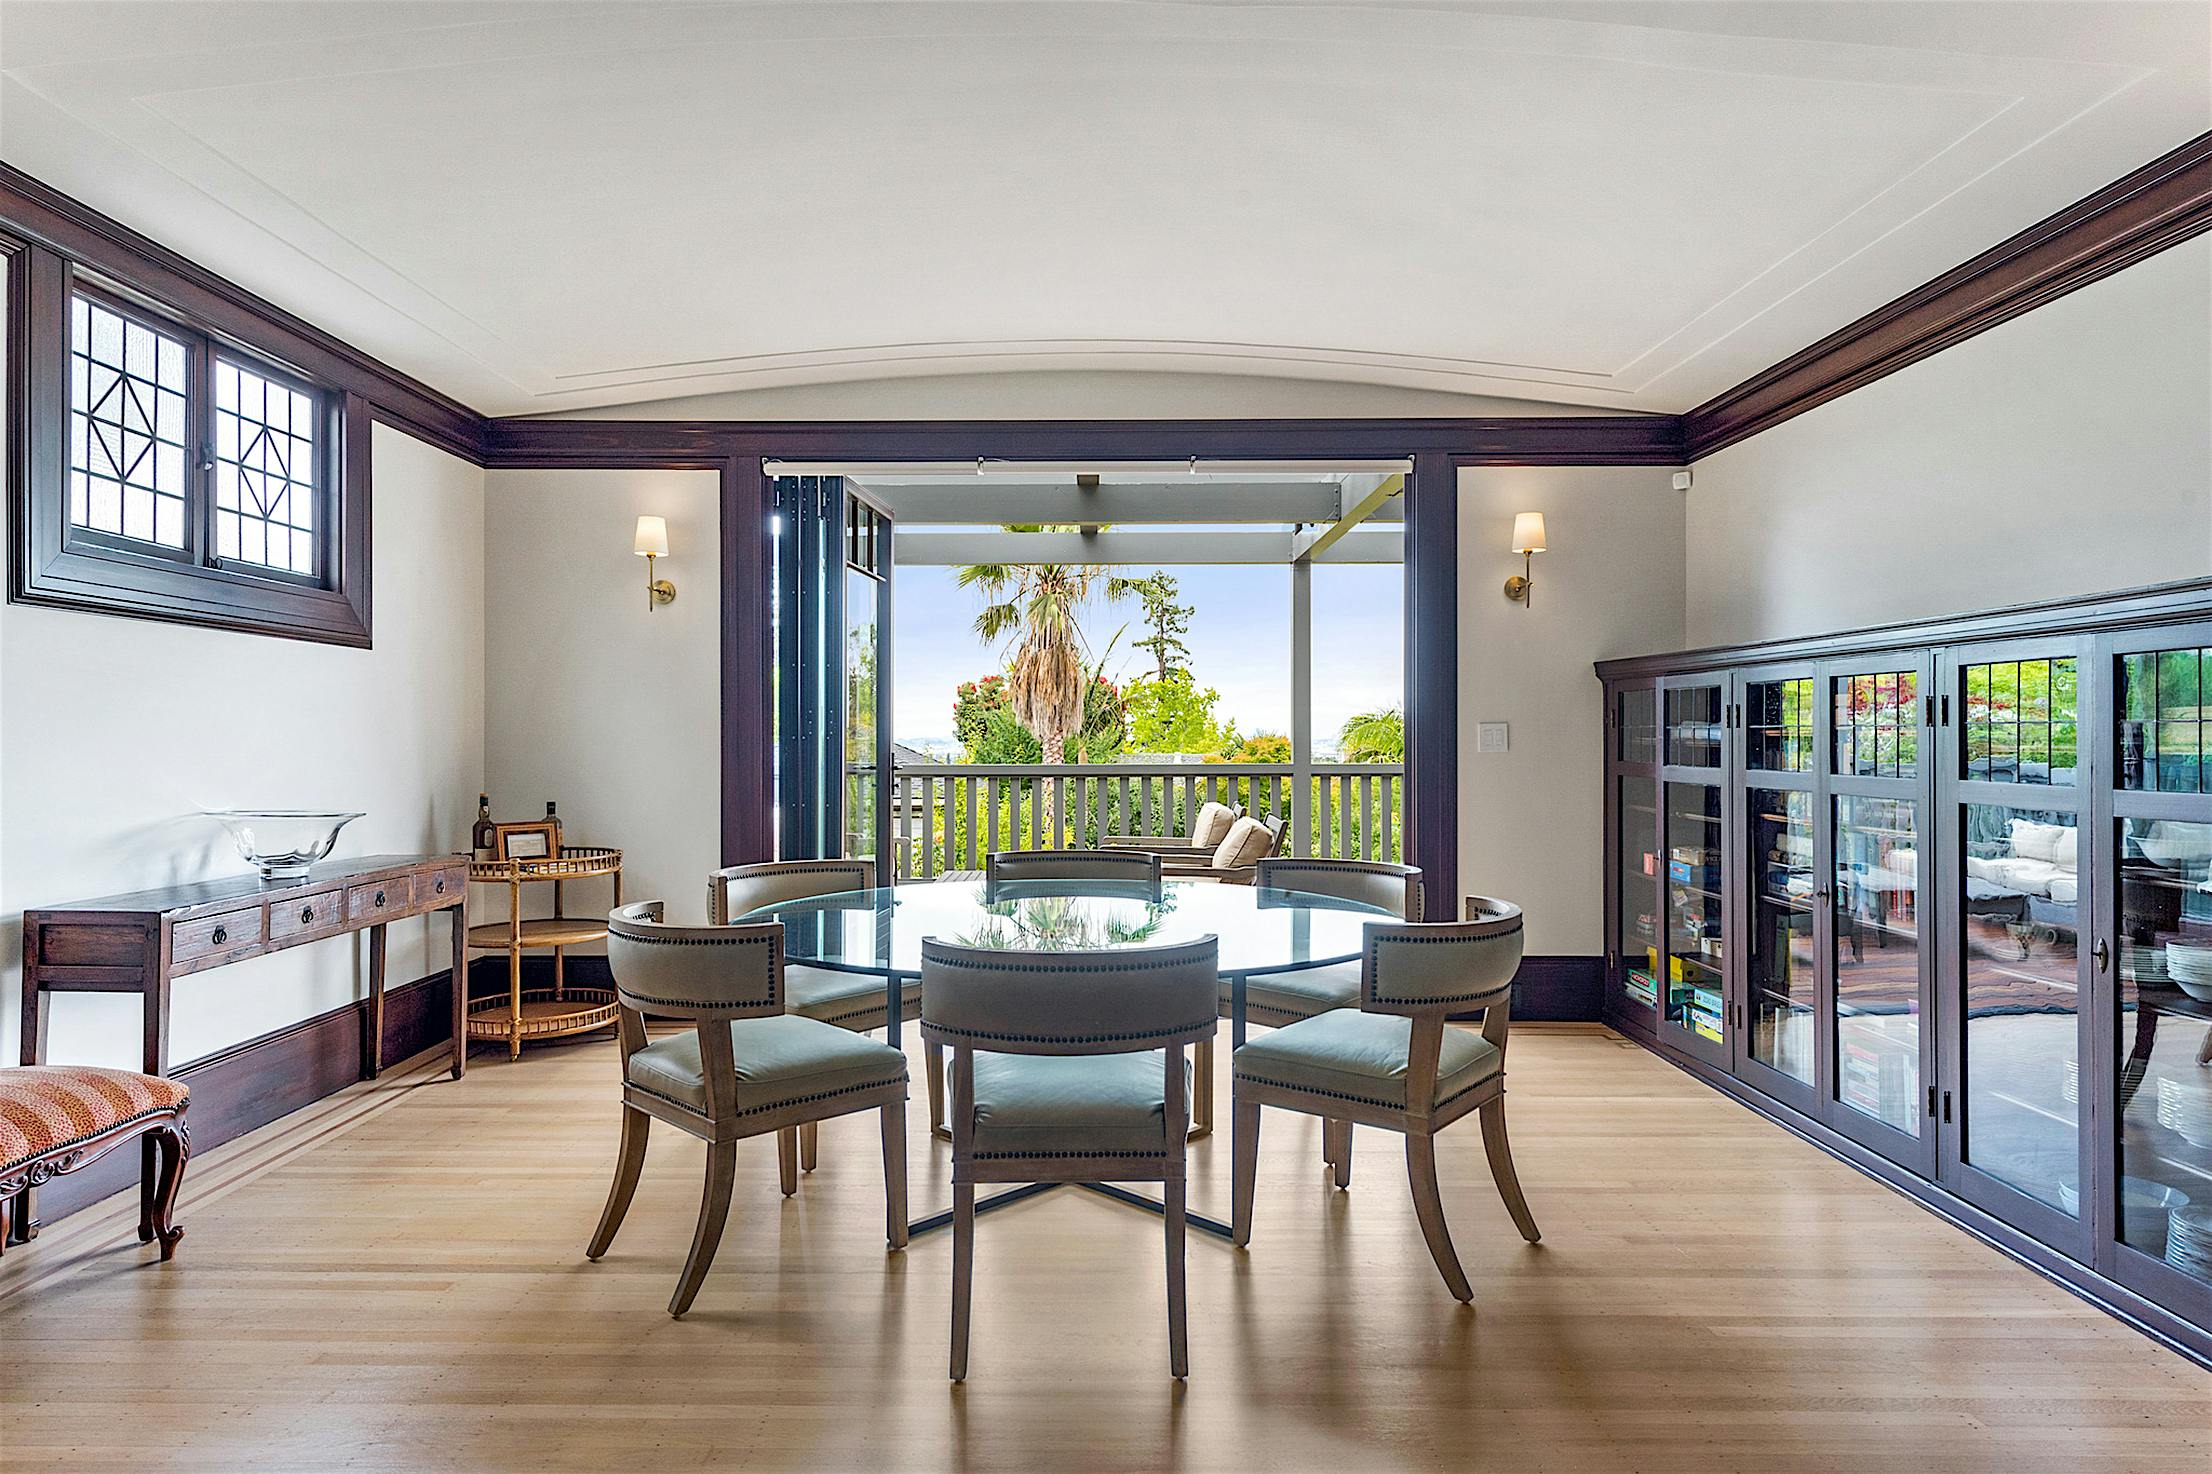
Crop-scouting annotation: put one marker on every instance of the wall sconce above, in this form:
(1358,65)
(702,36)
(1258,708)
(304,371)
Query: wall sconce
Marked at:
(652,542)
(1528,540)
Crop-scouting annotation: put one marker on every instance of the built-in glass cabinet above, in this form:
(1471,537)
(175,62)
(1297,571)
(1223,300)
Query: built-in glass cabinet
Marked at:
(1949,903)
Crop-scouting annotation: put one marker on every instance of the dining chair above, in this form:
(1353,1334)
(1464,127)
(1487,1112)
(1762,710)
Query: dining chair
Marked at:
(745,1068)
(1068,1067)
(1394,1062)
(1275,999)
(850,1000)
(1088,867)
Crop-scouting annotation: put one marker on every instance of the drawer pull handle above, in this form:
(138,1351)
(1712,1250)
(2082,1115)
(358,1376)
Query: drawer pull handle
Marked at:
(439,887)
(220,936)
(307,913)
(380,898)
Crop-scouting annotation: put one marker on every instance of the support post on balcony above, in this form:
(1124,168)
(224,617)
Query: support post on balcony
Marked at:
(1301,707)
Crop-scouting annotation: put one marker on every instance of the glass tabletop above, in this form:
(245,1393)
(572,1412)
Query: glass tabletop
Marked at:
(1261,930)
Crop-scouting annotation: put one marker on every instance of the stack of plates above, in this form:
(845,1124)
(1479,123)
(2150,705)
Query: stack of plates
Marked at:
(2147,1210)
(2189,965)
(2185,1106)
(2189,1241)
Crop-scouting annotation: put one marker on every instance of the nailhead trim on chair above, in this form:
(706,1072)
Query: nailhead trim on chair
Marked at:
(645,941)
(775,1105)
(1072,1156)
(1160,965)
(1171,1032)
(1388,1105)
(1374,958)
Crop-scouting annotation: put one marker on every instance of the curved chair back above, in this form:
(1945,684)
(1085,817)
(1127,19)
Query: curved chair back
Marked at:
(1119,1002)
(1128,867)
(1395,888)
(737,889)
(1431,968)
(696,972)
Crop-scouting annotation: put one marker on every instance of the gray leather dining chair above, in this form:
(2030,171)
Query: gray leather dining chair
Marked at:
(1276,999)
(1093,867)
(1395,1063)
(850,1000)
(745,1068)
(1068,1067)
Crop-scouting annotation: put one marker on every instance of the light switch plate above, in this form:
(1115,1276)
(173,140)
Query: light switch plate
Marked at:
(1490,737)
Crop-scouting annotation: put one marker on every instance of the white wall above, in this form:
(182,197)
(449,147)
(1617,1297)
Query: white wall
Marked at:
(609,710)
(1076,395)
(2067,452)
(114,732)
(1532,818)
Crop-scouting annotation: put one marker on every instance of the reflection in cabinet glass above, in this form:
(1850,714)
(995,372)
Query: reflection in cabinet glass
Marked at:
(1639,725)
(1638,896)
(1781,949)
(1877,959)
(2021,721)
(1778,726)
(1878,724)
(1694,726)
(1694,979)
(2020,925)
(2165,1075)
(2163,703)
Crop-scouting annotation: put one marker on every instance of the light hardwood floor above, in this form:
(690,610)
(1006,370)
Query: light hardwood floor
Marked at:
(395,1280)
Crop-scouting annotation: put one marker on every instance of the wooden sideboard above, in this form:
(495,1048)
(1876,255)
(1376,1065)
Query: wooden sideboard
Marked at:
(142,943)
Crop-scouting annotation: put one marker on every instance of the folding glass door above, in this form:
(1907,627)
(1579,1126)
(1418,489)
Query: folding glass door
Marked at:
(2016,976)
(2152,1218)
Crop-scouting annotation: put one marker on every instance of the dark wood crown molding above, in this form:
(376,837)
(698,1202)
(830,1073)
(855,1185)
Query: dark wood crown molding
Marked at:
(2164,203)
(36,212)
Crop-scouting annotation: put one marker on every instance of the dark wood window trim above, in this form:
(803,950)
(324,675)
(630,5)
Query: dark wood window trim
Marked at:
(54,564)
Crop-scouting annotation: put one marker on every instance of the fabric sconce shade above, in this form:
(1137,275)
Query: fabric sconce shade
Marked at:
(1528,532)
(651,542)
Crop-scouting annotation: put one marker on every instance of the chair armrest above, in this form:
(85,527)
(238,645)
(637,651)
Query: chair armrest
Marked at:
(1166,849)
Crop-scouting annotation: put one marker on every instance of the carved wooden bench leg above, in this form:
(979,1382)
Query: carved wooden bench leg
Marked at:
(157,1214)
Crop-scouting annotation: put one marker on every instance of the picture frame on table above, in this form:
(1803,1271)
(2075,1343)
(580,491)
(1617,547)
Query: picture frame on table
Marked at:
(539,839)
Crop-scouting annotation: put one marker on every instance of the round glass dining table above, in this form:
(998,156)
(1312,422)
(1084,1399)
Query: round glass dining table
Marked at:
(1261,930)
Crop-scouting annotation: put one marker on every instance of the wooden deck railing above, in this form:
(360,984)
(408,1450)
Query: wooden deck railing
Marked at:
(948,816)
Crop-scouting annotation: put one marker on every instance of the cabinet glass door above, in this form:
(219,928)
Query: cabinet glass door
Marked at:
(1877,887)
(2017,914)
(2155,1217)
(1636,893)
(1696,987)
(1780,1052)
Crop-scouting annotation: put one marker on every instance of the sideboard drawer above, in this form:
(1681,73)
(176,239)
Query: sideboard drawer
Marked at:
(441,888)
(380,900)
(296,917)
(213,936)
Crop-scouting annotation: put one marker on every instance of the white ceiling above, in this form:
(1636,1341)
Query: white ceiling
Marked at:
(539,207)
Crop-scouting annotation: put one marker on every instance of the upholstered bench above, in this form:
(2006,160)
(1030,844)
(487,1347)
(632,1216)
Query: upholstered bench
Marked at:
(56,1119)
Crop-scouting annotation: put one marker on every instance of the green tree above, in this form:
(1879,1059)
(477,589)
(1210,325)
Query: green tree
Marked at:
(1374,737)
(1175,714)
(1036,605)
(1262,747)
(1167,620)
(989,732)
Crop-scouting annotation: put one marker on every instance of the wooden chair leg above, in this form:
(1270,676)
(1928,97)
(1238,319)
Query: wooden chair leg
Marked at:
(1178,1324)
(894,1173)
(963,1273)
(1428,1206)
(787,1159)
(933,1062)
(1501,1168)
(175,1142)
(1336,1149)
(714,1207)
(628,1164)
(809,1145)
(1244,1157)
(1202,1087)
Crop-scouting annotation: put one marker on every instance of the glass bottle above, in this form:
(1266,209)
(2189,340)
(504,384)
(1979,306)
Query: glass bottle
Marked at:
(481,837)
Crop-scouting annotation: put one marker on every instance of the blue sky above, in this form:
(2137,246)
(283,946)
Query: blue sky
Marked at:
(1239,641)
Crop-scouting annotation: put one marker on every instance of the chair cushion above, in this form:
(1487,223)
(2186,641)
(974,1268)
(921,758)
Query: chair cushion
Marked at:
(1349,1055)
(1071,1105)
(1247,843)
(46,1108)
(837,997)
(1211,826)
(1302,994)
(781,1061)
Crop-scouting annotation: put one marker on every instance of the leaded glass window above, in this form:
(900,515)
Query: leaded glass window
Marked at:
(267,447)
(128,440)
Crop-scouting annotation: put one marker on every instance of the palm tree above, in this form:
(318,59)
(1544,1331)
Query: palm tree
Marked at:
(1374,737)
(1037,603)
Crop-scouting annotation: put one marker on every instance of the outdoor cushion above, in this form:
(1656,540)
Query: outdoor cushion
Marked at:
(1305,993)
(1349,1055)
(834,997)
(780,1061)
(1247,843)
(1065,1105)
(1212,825)
(45,1108)
(2054,843)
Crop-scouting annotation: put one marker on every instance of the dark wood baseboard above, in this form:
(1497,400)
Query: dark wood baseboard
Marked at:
(2116,1300)
(1558,990)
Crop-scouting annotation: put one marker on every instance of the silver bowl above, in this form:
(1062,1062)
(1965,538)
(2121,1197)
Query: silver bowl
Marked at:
(283,842)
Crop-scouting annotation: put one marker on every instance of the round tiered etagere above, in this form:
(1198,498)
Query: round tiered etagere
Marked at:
(529,1015)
